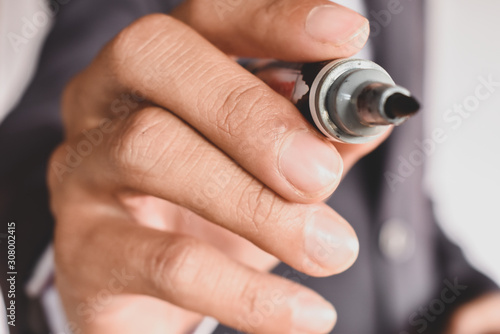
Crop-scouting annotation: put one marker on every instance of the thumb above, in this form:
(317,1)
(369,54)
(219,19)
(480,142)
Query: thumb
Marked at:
(290,30)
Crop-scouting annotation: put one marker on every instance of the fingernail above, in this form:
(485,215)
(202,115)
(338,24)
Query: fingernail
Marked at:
(335,24)
(309,164)
(312,314)
(330,242)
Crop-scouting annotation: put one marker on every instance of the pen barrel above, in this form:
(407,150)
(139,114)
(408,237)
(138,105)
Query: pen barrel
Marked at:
(347,100)
(291,80)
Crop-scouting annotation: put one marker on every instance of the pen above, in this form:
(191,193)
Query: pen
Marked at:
(348,100)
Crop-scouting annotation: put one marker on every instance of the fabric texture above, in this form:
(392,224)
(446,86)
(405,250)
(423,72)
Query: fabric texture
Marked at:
(24,25)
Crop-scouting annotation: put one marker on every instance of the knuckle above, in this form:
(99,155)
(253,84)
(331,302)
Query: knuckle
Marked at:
(131,51)
(56,159)
(262,303)
(151,142)
(74,100)
(249,297)
(259,208)
(241,104)
(175,265)
(128,148)
(124,146)
(62,174)
(138,34)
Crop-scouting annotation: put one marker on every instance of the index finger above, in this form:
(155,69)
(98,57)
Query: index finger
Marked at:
(237,112)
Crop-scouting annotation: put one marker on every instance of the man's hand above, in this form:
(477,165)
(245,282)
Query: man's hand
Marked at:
(481,316)
(163,125)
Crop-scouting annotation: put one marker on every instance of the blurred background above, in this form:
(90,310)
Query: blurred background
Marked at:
(463,174)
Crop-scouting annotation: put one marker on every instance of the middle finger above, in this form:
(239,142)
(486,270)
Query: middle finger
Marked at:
(158,154)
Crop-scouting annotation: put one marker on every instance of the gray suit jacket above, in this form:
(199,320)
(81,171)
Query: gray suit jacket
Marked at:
(408,277)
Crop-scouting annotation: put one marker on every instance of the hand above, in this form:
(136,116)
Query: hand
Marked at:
(163,124)
(481,316)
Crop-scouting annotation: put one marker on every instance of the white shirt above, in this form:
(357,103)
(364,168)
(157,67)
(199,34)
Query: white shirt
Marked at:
(24,24)
(463,174)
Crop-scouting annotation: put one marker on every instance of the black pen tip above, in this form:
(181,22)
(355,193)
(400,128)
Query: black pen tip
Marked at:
(399,105)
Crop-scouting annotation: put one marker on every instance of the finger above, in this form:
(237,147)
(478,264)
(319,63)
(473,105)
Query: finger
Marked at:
(241,115)
(157,154)
(479,316)
(295,30)
(189,274)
